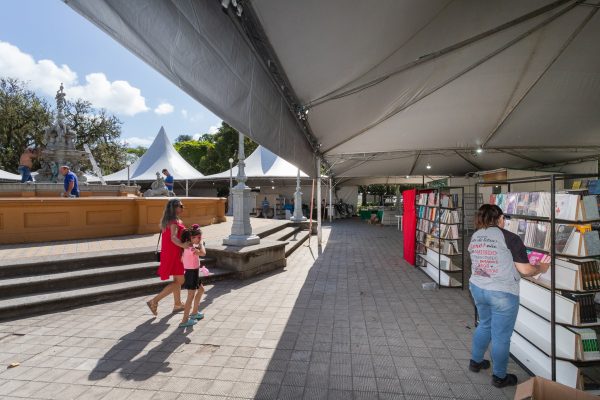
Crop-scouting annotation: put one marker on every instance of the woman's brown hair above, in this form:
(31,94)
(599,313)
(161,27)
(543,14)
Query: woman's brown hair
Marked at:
(487,216)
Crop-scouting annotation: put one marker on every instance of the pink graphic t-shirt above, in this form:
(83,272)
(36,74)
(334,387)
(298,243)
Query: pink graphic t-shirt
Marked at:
(189,259)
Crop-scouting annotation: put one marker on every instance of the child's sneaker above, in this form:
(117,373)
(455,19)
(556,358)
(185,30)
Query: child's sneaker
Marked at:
(197,317)
(190,322)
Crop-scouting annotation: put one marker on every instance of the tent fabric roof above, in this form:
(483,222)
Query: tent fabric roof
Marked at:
(161,154)
(391,86)
(7,176)
(262,163)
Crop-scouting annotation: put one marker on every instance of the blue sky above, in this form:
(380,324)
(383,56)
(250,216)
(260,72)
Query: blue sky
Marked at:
(45,42)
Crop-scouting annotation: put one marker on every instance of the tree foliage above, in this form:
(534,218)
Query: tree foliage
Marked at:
(211,153)
(23,117)
(184,138)
(100,131)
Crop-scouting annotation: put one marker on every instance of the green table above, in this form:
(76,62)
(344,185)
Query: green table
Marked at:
(366,214)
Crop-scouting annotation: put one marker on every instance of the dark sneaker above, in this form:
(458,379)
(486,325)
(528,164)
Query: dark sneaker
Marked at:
(478,366)
(508,380)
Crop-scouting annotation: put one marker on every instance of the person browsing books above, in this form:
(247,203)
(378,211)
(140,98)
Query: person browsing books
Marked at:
(498,260)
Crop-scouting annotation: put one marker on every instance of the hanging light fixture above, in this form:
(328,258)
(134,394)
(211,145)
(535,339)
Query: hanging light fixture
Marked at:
(428,166)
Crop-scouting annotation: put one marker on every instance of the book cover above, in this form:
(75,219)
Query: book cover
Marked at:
(501,201)
(593,186)
(562,236)
(591,241)
(511,203)
(540,235)
(566,206)
(522,203)
(522,229)
(534,200)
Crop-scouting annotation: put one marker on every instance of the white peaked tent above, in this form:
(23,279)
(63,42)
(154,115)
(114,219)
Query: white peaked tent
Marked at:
(385,87)
(262,163)
(161,154)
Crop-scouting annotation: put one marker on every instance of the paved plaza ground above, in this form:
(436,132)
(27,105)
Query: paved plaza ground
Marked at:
(348,321)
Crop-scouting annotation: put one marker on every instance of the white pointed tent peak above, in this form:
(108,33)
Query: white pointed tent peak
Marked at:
(263,163)
(160,155)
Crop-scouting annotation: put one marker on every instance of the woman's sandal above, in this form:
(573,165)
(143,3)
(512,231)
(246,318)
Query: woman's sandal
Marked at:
(178,308)
(153,307)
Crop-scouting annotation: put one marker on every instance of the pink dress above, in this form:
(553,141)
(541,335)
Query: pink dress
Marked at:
(170,253)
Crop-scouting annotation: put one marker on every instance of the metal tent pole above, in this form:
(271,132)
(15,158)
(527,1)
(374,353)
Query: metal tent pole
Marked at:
(187,189)
(318,203)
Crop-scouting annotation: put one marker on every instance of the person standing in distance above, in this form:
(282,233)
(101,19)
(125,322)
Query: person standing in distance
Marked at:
(71,183)
(26,163)
(498,260)
(169,180)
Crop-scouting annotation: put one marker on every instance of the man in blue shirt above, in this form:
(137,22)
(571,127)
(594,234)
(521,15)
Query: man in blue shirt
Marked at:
(71,183)
(169,180)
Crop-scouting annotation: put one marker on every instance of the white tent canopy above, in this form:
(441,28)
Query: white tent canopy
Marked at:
(7,176)
(383,88)
(161,154)
(262,163)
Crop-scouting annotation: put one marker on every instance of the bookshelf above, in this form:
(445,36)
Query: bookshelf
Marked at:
(439,244)
(557,329)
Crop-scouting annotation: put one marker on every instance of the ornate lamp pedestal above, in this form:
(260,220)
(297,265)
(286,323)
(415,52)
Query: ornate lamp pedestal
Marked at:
(298,216)
(241,230)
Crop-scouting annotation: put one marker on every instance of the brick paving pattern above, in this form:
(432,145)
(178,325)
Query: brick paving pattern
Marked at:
(349,322)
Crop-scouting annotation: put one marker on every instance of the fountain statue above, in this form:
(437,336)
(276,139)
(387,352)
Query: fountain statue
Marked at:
(158,188)
(59,147)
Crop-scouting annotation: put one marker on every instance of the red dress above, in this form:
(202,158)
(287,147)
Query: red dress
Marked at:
(170,253)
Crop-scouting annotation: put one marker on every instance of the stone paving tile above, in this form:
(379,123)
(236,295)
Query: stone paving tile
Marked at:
(352,324)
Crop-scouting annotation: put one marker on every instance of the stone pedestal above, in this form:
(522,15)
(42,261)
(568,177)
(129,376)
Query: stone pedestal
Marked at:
(298,216)
(241,230)
(249,260)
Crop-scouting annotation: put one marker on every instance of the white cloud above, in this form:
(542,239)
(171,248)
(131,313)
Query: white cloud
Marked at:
(44,75)
(136,141)
(213,129)
(164,108)
(196,136)
(184,113)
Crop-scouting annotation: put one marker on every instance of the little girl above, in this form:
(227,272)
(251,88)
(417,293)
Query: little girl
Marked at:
(191,264)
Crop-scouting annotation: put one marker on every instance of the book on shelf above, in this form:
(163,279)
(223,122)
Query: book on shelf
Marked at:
(439,260)
(576,275)
(435,199)
(447,247)
(568,206)
(535,257)
(570,240)
(589,343)
(586,306)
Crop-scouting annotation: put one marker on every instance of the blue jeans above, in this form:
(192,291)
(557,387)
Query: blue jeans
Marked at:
(25,174)
(497,315)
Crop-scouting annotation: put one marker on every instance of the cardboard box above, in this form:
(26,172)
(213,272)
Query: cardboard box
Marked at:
(538,388)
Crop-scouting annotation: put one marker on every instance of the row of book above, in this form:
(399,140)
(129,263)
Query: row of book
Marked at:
(579,275)
(574,240)
(571,207)
(443,215)
(436,199)
(589,343)
(586,304)
(438,230)
(446,247)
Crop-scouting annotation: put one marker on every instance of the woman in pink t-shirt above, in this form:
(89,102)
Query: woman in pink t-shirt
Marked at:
(191,265)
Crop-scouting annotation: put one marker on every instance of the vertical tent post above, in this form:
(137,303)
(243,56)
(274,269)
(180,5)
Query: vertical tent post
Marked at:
(330,199)
(187,189)
(318,201)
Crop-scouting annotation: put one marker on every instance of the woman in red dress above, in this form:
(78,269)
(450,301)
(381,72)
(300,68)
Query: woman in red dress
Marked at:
(170,255)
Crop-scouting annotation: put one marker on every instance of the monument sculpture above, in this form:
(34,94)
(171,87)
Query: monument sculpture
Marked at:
(59,147)
(158,188)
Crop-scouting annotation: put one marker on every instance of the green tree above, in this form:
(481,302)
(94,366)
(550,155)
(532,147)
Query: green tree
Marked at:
(23,117)
(137,151)
(100,131)
(211,154)
(184,138)
(195,153)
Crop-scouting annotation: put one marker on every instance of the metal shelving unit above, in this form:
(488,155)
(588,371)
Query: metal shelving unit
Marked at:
(436,226)
(554,291)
